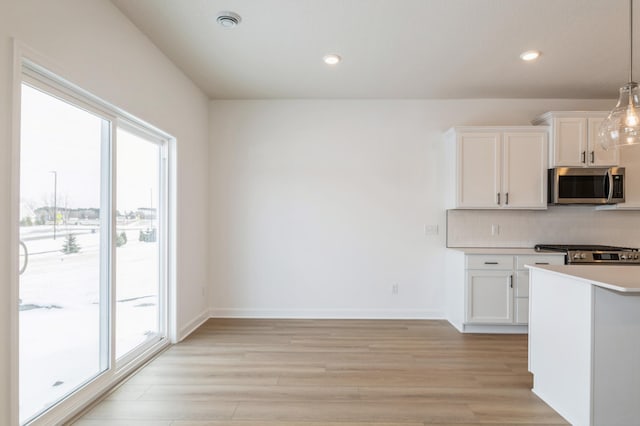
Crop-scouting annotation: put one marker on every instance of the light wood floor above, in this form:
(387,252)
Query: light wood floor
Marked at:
(330,372)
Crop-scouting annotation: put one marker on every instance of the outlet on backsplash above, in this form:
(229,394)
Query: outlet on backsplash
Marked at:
(495,229)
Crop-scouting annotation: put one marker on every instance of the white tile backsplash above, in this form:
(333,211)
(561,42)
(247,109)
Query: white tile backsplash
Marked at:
(557,225)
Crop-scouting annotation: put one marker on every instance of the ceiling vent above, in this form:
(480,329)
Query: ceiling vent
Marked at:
(228,19)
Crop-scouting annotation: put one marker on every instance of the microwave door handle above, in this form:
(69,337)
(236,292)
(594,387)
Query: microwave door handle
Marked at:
(610,192)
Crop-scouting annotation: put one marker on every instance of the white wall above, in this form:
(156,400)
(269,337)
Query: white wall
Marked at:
(96,47)
(319,206)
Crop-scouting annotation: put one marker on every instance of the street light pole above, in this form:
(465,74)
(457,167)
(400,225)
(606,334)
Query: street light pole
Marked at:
(55,201)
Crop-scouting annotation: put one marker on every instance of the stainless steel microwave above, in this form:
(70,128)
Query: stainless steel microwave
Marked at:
(586,185)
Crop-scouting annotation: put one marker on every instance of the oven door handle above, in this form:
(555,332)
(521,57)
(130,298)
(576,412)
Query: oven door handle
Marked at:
(610,178)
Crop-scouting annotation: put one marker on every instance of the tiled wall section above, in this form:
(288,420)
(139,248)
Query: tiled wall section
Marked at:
(557,225)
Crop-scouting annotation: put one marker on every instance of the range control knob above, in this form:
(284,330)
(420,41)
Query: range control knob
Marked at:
(583,256)
(623,256)
(576,256)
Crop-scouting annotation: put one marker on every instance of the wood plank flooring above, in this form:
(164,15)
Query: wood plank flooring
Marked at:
(241,372)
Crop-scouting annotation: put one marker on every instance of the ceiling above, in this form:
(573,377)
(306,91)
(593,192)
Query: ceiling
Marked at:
(394,48)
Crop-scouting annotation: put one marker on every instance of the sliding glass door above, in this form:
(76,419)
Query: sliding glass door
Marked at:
(138,240)
(63,296)
(93,244)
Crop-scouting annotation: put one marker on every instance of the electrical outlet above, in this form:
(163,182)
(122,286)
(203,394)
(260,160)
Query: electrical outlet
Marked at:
(430,229)
(495,229)
(394,289)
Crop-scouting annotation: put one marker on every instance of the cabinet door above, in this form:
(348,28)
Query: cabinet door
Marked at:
(521,299)
(522,311)
(569,141)
(489,297)
(478,170)
(524,177)
(522,284)
(597,156)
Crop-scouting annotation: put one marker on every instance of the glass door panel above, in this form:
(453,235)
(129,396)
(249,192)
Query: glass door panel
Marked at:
(63,311)
(138,238)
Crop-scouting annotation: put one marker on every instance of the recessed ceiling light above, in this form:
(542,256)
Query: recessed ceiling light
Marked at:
(228,19)
(331,59)
(530,55)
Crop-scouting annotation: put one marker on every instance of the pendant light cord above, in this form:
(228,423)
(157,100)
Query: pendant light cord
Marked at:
(630,40)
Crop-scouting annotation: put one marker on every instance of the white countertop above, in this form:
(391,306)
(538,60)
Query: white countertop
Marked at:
(504,250)
(623,278)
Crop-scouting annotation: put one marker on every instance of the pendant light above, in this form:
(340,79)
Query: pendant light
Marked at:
(622,125)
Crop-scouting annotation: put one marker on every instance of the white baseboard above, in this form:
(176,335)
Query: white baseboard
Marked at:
(492,329)
(324,314)
(193,325)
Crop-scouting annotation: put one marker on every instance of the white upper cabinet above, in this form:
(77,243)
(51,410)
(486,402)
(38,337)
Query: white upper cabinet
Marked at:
(569,138)
(574,139)
(479,172)
(524,169)
(498,167)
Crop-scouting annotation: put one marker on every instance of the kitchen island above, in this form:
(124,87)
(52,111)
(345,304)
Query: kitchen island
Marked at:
(584,341)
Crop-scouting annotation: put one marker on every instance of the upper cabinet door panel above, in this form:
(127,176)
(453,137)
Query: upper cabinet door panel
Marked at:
(478,169)
(570,142)
(525,166)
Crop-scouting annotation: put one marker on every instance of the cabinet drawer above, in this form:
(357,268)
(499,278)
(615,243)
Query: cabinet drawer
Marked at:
(538,260)
(489,262)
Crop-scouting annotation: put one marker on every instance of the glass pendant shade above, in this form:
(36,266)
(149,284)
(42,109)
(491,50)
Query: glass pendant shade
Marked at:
(622,125)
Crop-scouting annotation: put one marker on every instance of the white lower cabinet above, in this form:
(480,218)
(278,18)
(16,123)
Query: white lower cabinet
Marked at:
(490,292)
(521,296)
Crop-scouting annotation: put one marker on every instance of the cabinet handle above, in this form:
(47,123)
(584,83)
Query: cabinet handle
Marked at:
(498,194)
(542,263)
(510,281)
(593,157)
(584,156)
(506,196)
(490,263)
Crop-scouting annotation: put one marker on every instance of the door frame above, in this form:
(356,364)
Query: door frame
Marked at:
(26,58)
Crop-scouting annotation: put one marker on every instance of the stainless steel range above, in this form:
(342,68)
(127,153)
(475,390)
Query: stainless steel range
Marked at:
(594,254)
